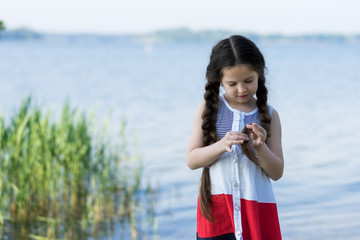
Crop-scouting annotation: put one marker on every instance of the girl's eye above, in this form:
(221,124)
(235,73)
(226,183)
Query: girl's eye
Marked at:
(248,81)
(231,84)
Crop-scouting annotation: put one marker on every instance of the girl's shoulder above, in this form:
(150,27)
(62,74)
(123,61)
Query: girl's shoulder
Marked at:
(275,120)
(199,111)
(271,109)
(201,107)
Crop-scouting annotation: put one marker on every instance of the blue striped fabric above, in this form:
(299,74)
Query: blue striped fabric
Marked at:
(226,116)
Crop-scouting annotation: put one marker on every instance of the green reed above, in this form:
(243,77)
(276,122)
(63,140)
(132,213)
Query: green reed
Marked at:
(66,179)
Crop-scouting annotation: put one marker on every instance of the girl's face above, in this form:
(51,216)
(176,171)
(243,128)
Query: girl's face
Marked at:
(240,83)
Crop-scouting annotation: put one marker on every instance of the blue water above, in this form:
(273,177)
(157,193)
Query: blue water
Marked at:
(313,86)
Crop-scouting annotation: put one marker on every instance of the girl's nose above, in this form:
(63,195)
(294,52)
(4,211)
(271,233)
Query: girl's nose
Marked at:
(241,88)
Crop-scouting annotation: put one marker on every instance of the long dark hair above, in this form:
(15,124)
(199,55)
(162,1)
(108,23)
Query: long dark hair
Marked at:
(228,53)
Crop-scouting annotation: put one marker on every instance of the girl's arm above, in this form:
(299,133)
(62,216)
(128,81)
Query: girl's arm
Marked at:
(269,150)
(198,155)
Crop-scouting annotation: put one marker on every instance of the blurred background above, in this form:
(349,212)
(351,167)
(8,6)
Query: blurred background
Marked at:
(145,61)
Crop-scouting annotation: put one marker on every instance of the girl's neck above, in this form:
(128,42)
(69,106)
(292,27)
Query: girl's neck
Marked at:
(242,107)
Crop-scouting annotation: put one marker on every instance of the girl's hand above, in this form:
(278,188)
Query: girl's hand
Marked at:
(233,138)
(258,134)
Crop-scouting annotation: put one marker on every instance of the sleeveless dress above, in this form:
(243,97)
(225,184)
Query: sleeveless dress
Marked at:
(243,203)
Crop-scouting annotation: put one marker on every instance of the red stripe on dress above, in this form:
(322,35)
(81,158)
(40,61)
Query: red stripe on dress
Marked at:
(222,210)
(259,220)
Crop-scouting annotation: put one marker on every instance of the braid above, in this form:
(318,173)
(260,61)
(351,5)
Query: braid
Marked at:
(209,116)
(261,102)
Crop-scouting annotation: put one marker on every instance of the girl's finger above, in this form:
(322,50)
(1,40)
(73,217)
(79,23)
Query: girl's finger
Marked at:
(254,136)
(243,137)
(235,142)
(257,129)
(228,149)
(237,137)
(257,132)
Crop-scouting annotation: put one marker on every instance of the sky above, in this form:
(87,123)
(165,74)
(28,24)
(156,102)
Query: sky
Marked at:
(288,17)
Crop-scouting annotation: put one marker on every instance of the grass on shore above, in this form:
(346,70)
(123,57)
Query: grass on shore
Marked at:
(62,179)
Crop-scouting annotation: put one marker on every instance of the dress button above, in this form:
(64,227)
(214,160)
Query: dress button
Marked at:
(235,160)
(237,208)
(238,233)
(235,185)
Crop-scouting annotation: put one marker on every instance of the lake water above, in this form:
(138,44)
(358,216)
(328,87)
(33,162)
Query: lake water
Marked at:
(314,87)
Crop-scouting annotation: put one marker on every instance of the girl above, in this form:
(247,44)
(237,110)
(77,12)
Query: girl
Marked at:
(236,199)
